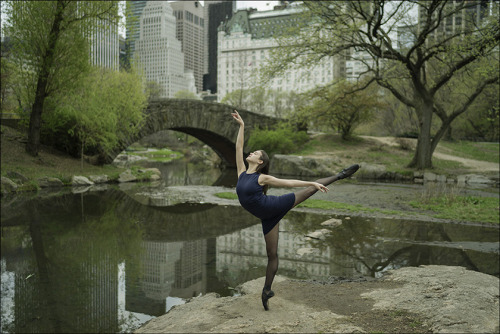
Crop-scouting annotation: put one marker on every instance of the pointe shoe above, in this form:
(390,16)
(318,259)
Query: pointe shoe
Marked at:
(265,298)
(346,172)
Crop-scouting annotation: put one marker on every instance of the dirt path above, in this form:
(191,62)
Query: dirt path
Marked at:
(440,153)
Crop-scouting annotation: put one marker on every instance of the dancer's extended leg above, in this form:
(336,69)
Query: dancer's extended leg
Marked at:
(302,195)
(271,239)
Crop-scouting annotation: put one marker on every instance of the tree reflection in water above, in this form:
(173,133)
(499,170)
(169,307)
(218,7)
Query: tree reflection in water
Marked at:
(372,246)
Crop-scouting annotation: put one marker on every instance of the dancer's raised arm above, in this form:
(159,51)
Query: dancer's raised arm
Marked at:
(240,164)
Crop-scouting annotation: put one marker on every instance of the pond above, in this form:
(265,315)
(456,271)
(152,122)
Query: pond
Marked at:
(102,262)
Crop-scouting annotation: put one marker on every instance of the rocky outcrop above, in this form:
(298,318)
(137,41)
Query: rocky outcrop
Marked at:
(97,179)
(17,176)
(127,176)
(453,299)
(8,185)
(80,181)
(447,299)
(49,182)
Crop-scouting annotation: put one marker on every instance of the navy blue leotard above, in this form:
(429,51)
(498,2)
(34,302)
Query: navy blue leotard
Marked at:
(270,209)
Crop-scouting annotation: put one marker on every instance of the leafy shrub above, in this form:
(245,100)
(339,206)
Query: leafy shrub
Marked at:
(282,140)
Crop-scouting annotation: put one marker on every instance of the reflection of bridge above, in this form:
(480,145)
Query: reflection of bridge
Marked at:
(182,222)
(209,122)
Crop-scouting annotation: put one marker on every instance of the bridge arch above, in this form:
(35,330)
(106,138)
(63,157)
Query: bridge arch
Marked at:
(207,121)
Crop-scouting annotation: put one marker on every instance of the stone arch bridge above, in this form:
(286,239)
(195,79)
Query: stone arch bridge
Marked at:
(207,121)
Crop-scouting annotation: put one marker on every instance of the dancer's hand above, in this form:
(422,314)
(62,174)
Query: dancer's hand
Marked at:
(320,187)
(238,118)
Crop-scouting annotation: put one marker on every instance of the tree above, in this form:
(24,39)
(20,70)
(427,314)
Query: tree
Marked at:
(262,101)
(186,94)
(415,73)
(50,43)
(106,107)
(341,111)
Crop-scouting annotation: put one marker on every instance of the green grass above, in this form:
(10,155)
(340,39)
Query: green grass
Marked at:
(227,195)
(329,205)
(162,155)
(462,208)
(483,151)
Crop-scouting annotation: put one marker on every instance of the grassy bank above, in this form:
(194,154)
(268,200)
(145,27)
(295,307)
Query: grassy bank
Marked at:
(443,205)
(49,163)
(396,158)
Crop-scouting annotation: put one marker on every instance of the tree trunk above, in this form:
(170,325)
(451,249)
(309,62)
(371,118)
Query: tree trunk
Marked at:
(423,153)
(33,144)
(47,287)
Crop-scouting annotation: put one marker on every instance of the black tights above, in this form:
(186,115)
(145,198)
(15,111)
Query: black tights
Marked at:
(272,236)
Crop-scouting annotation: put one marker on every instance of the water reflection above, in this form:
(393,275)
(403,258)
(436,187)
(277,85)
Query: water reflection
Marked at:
(180,172)
(102,262)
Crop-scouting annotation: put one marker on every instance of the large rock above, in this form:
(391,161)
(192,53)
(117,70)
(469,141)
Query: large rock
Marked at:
(371,171)
(474,179)
(155,171)
(302,166)
(8,185)
(452,299)
(127,176)
(99,178)
(17,176)
(49,182)
(81,181)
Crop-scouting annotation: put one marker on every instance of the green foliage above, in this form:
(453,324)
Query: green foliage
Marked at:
(186,94)
(343,106)
(50,49)
(106,107)
(264,101)
(282,140)
(438,75)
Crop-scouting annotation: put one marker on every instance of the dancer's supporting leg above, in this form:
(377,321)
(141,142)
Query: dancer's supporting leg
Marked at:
(302,195)
(271,239)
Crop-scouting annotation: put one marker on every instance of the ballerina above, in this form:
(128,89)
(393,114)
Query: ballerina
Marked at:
(251,189)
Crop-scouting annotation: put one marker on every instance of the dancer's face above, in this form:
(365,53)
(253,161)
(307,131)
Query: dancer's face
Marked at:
(255,157)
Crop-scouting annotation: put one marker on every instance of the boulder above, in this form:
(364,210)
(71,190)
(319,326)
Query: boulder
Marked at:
(474,179)
(81,181)
(99,178)
(8,185)
(429,177)
(334,222)
(371,171)
(17,176)
(49,182)
(155,171)
(127,176)
(155,177)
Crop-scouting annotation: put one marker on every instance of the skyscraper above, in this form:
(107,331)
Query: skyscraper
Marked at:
(190,30)
(159,52)
(133,11)
(105,45)
(216,12)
